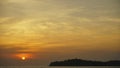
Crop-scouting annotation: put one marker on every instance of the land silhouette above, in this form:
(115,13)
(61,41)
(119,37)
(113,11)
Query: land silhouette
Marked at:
(81,62)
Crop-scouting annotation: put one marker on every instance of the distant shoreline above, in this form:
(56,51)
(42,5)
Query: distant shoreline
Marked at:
(81,62)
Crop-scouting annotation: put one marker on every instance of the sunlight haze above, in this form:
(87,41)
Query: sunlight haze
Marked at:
(49,30)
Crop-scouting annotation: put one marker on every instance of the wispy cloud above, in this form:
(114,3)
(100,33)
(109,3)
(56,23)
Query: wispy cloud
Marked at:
(46,26)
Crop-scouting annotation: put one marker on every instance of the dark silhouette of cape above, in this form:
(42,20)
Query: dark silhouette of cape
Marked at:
(80,62)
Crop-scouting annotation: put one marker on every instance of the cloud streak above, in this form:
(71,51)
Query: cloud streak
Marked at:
(65,27)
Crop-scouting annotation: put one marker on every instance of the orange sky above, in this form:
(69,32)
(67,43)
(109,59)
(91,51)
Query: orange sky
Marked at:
(50,30)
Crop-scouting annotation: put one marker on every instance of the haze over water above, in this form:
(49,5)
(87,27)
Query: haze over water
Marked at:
(60,67)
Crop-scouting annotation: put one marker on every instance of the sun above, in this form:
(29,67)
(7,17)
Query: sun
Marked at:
(23,58)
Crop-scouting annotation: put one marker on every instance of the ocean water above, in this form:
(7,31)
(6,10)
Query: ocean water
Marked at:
(59,67)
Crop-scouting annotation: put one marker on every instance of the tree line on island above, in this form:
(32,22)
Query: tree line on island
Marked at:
(81,62)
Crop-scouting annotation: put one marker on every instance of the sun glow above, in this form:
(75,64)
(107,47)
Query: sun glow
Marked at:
(23,58)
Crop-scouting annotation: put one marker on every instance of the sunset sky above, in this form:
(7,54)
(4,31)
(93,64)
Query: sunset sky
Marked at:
(41,31)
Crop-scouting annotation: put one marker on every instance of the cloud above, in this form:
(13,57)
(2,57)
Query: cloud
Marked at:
(51,27)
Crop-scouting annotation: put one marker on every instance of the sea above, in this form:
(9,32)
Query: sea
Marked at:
(59,67)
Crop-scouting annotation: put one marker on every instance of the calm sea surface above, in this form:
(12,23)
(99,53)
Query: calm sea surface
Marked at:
(59,67)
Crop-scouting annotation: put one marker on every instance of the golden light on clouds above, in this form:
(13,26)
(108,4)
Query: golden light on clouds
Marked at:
(60,28)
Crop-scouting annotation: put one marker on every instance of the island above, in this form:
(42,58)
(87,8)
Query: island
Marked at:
(81,62)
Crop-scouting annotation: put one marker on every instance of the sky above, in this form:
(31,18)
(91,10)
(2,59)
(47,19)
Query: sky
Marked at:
(43,31)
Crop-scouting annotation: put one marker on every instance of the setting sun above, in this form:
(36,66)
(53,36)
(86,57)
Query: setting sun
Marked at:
(23,58)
